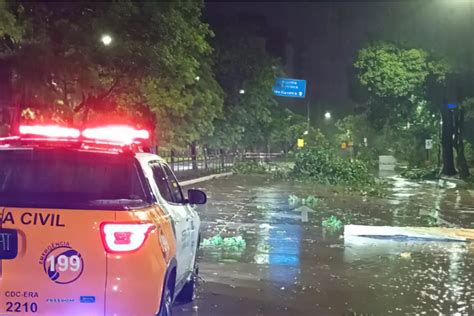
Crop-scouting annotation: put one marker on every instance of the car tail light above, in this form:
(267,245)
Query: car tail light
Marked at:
(118,133)
(49,131)
(124,237)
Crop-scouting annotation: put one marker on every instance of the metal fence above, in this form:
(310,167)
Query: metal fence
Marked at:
(263,157)
(187,168)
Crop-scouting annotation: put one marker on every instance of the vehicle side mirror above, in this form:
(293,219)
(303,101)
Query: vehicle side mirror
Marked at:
(196,197)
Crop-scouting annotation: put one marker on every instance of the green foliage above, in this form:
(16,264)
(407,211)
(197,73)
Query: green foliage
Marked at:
(440,68)
(469,153)
(332,223)
(281,171)
(146,75)
(249,167)
(214,241)
(390,71)
(354,128)
(10,25)
(294,200)
(316,138)
(396,80)
(285,128)
(428,221)
(405,140)
(310,201)
(324,166)
(242,63)
(421,174)
(234,243)
(228,243)
(468,106)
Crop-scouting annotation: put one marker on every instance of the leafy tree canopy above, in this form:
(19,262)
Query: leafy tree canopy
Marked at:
(396,79)
(148,73)
(9,24)
(242,63)
(391,71)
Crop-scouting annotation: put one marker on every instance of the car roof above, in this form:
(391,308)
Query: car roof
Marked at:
(145,157)
(141,156)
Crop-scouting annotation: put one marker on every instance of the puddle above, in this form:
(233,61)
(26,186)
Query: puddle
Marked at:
(300,266)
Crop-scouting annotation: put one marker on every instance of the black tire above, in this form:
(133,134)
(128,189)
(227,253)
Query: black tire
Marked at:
(166,302)
(188,293)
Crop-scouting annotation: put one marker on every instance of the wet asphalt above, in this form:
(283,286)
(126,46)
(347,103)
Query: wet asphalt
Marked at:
(292,266)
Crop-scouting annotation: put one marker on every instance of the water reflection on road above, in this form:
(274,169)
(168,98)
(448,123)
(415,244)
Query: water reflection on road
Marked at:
(290,267)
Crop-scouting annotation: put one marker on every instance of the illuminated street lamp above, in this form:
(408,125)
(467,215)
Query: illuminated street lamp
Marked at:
(242,91)
(327,115)
(197,78)
(106,39)
(305,133)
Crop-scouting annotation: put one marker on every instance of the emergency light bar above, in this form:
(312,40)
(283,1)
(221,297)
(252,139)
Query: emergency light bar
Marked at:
(104,137)
(50,131)
(119,134)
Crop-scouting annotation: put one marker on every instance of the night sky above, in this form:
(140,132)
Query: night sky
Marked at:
(325,37)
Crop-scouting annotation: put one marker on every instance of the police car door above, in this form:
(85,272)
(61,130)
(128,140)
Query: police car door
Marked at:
(173,202)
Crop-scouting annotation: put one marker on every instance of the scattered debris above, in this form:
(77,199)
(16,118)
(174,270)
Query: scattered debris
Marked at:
(227,243)
(214,241)
(294,200)
(310,201)
(405,255)
(332,223)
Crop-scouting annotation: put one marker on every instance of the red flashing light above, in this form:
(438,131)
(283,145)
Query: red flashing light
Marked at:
(111,137)
(125,237)
(116,133)
(49,131)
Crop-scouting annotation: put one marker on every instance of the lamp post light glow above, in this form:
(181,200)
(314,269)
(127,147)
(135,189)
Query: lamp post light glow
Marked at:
(106,39)
(242,91)
(327,115)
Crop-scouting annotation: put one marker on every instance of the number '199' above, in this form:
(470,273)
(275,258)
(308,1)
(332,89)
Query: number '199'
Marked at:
(64,263)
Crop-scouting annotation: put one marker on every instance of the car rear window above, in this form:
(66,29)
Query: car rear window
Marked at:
(69,179)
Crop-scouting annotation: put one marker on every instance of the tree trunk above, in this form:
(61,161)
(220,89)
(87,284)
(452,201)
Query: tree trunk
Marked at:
(194,156)
(447,142)
(459,144)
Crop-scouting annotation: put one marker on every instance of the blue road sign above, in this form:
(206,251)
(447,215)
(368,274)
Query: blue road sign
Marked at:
(452,106)
(293,88)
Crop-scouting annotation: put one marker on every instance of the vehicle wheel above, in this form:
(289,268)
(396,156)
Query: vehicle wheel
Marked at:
(166,302)
(188,293)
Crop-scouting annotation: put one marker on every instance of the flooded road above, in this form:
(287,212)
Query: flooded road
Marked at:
(292,266)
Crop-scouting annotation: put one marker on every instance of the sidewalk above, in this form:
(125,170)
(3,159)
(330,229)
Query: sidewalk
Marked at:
(206,178)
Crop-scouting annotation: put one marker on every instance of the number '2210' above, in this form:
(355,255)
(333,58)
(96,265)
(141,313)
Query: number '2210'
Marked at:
(17,307)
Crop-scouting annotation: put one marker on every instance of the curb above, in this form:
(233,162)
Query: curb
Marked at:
(206,178)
